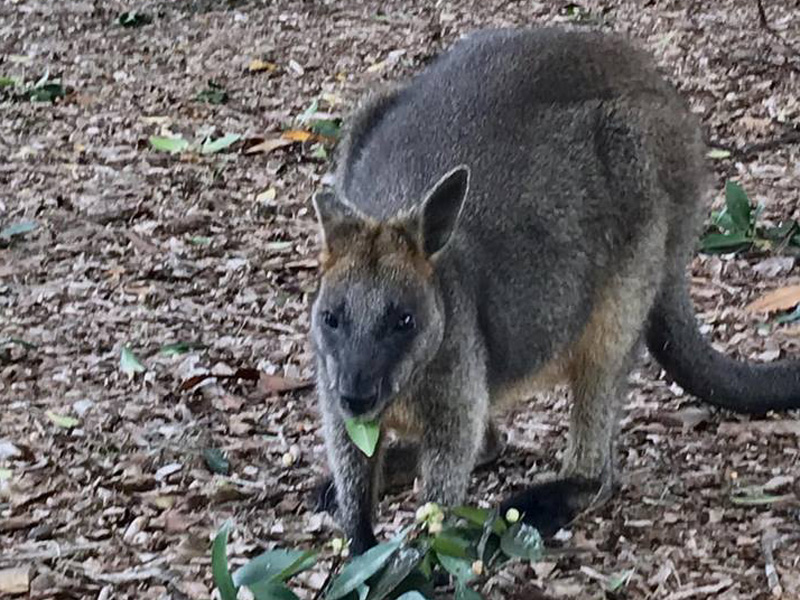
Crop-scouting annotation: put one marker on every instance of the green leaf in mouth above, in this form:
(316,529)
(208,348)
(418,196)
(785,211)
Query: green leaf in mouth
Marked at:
(364,434)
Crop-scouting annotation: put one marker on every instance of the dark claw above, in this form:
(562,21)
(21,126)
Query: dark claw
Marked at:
(363,541)
(552,505)
(325,497)
(325,501)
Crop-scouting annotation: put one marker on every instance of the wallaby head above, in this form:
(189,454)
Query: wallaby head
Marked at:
(378,316)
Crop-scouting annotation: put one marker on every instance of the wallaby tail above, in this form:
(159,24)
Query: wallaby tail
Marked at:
(676,342)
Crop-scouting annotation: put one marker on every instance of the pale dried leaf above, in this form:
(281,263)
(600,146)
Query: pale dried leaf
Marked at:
(783,298)
(15,581)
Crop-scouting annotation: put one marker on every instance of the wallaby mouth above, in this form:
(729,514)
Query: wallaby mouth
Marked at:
(359,397)
(359,406)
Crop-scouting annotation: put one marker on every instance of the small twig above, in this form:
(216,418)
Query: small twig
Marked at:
(749,150)
(769,539)
(567,552)
(702,590)
(51,550)
(337,560)
(762,15)
(764,22)
(129,575)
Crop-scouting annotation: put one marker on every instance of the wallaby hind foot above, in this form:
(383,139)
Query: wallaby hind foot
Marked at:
(553,505)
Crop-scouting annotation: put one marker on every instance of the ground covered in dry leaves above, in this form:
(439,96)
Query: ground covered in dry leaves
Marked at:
(104,487)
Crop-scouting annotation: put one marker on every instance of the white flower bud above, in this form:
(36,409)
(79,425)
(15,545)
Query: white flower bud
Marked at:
(512,515)
(477,567)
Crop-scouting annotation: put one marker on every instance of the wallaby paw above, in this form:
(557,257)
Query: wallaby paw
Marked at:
(324,496)
(554,504)
(362,542)
(494,444)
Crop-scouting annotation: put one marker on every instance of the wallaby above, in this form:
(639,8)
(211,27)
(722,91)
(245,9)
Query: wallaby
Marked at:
(520,214)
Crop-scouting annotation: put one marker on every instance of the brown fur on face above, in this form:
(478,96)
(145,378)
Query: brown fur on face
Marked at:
(368,245)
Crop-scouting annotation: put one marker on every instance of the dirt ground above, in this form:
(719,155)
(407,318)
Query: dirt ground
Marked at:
(139,248)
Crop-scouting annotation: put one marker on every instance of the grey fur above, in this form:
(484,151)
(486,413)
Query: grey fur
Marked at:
(586,174)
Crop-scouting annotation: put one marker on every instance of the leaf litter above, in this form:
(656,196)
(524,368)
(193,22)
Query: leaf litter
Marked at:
(77,290)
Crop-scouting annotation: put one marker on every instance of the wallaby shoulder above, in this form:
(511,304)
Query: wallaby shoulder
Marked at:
(495,91)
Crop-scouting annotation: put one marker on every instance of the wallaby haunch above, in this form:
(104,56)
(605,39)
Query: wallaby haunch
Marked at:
(520,214)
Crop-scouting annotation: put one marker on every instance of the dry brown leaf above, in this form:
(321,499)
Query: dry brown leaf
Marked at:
(758,125)
(781,299)
(246,373)
(257,66)
(196,590)
(297,135)
(276,384)
(269,145)
(15,581)
(17,523)
(765,428)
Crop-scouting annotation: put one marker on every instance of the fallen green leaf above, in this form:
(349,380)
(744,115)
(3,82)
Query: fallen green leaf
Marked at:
(18,229)
(309,112)
(617,582)
(134,18)
(329,128)
(791,317)
(179,348)
(62,421)
(216,461)
(19,342)
(129,364)
(718,153)
(169,144)
(364,434)
(200,240)
(47,92)
(319,151)
(213,94)
(758,499)
(8,82)
(738,206)
(219,144)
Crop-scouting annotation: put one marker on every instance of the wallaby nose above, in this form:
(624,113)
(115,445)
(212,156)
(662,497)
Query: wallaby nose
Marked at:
(357,391)
(358,405)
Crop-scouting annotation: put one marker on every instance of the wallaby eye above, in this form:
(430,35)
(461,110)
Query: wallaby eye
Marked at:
(330,319)
(405,322)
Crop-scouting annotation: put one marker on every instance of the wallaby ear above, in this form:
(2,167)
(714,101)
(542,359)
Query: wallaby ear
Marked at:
(441,209)
(335,217)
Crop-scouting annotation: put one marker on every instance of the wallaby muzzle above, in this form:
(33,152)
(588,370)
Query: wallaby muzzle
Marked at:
(359,388)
